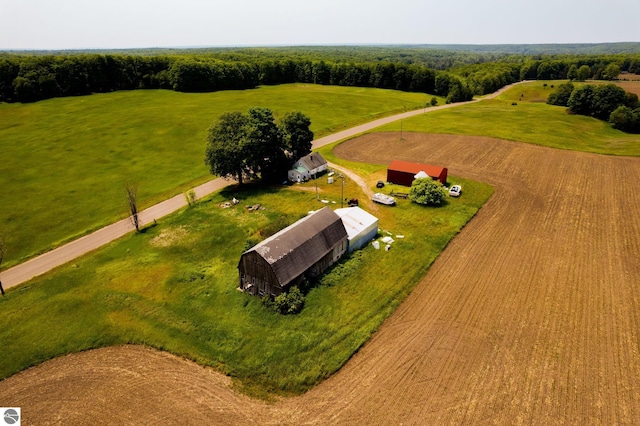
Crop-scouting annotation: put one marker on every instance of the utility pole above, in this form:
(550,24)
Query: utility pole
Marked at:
(342,193)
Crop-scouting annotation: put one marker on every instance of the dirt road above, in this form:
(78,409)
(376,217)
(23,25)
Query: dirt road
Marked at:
(531,315)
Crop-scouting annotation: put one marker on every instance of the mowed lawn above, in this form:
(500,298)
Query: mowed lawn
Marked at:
(173,287)
(530,120)
(66,161)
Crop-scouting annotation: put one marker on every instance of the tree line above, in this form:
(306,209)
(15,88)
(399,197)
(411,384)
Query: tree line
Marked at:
(486,78)
(604,102)
(456,76)
(438,57)
(33,78)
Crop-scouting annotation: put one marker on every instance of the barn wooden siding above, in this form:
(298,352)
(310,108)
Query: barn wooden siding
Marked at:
(309,247)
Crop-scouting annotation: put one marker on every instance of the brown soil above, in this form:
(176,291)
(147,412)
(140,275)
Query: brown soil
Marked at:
(530,316)
(629,77)
(629,84)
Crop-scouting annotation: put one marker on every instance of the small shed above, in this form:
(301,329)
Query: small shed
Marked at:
(307,247)
(307,167)
(361,226)
(404,172)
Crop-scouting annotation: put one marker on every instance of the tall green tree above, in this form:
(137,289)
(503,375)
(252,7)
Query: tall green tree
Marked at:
(611,72)
(529,70)
(561,95)
(625,119)
(266,144)
(458,92)
(606,98)
(297,133)
(254,145)
(8,73)
(632,101)
(584,72)
(442,84)
(228,152)
(580,100)
(552,70)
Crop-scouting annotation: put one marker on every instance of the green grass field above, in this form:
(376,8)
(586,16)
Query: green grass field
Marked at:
(65,161)
(173,287)
(530,121)
(535,91)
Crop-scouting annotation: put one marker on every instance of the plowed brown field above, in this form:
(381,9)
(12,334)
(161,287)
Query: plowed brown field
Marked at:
(530,316)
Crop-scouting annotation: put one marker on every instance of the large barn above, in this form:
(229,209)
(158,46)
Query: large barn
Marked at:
(404,172)
(307,247)
(361,226)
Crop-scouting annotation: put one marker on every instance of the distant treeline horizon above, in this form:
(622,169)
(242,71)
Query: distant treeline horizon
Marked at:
(502,48)
(456,75)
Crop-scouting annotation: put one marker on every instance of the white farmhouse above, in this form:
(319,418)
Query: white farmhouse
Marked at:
(307,167)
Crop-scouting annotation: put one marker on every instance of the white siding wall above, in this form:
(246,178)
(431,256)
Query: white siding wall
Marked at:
(362,238)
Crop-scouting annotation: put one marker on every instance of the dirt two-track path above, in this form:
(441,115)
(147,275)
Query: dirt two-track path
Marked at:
(531,315)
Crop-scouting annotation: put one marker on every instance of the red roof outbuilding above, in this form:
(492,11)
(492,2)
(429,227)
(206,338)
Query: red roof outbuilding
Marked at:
(403,172)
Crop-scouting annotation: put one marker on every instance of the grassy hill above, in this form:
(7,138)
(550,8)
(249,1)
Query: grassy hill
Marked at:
(521,115)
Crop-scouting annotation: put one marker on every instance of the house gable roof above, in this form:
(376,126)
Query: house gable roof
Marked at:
(299,246)
(415,168)
(313,161)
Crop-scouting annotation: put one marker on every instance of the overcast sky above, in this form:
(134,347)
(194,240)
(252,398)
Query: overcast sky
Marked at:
(81,24)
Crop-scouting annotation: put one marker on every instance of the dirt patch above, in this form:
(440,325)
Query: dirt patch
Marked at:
(631,85)
(530,316)
(169,237)
(629,77)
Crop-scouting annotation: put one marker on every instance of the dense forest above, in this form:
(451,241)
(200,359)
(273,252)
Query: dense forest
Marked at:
(456,75)
(32,78)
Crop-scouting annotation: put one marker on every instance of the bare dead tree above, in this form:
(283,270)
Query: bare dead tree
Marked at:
(132,192)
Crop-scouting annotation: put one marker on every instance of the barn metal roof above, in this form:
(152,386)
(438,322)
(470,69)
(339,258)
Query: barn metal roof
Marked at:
(299,246)
(406,166)
(356,220)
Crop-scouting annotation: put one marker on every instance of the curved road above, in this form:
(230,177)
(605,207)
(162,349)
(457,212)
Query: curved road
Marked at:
(66,253)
